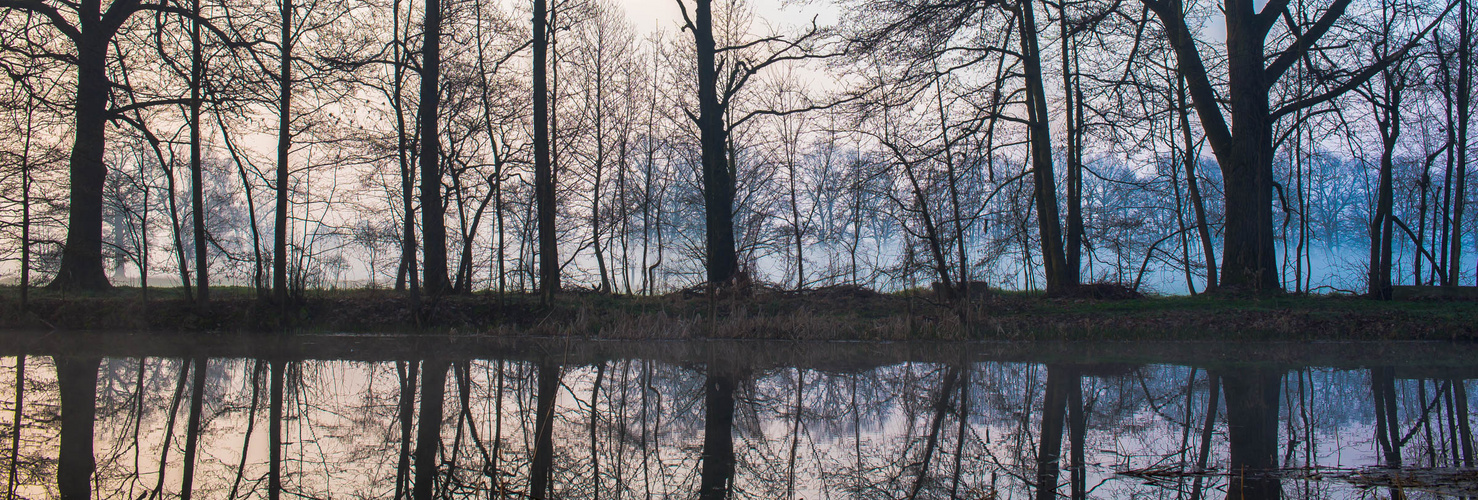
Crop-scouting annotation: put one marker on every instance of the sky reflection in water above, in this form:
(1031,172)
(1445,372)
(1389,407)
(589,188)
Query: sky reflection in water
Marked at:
(642,427)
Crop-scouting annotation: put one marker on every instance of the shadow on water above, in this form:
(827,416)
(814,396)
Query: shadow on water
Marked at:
(411,418)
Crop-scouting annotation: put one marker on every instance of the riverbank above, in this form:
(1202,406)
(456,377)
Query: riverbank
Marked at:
(836,313)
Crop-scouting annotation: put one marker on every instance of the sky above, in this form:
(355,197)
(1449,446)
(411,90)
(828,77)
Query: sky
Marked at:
(648,15)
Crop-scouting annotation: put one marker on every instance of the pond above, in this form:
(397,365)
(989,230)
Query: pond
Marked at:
(137,416)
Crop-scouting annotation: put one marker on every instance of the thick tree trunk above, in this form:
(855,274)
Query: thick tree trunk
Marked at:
(1249,260)
(1252,433)
(77,381)
(1244,149)
(718,176)
(81,266)
(428,434)
(718,437)
(433,216)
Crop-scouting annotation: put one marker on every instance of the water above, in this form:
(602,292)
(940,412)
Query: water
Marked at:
(729,419)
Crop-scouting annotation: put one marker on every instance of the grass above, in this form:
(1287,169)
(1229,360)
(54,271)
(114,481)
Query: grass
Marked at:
(835,313)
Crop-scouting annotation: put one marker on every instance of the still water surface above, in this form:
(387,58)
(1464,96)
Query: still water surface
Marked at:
(141,417)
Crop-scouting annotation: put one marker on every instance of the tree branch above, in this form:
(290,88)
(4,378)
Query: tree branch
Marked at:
(1193,69)
(1305,41)
(1366,74)
(47,11)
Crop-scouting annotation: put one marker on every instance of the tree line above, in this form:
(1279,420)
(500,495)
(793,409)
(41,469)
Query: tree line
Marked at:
(448,147)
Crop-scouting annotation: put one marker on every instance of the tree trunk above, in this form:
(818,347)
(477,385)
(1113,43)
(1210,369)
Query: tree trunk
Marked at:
(433,216)
(1464,115)
(718,176)
(1252,433)
(81,266)
(25,283)
(543,460)
(1073,111)
(543,169)
(197,188)
(192,427)
(1049,454)
(284,148)
(600,163)
(274,430)
(1381,225)
(1244,150)
(428,434)
(1059,276)
(77,382)
(1193,189)
(1247,166)
(718,437)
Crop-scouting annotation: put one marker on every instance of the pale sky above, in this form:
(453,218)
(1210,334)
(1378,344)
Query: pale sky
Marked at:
(647,15)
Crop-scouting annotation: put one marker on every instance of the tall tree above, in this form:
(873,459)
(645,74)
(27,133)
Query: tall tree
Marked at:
(433,212)
(1464,117)
(1386,101)
(90,30)
(284,150)
(715,120)
(543,170)
(197,188)
(1059,275)
(718,177)
(1244,147)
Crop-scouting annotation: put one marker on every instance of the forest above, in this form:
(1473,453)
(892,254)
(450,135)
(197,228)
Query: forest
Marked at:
(452,147)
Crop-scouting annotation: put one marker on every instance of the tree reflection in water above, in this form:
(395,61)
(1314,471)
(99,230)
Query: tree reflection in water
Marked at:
(718,428)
